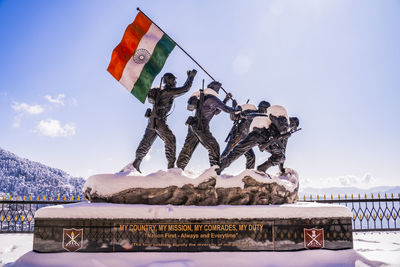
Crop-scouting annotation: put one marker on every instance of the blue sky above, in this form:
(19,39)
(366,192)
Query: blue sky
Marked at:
(333,64)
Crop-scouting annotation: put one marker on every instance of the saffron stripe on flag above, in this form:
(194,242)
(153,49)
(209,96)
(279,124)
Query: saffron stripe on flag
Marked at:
(132,69)
(153,67)
(125,49)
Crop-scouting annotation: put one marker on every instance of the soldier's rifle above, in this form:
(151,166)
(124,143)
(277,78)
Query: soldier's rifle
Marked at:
(198,109)
(242,115)
(277,140)
(234,128)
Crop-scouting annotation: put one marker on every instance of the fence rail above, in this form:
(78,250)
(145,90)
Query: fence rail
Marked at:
(373,214)
(369,214)
(17,213)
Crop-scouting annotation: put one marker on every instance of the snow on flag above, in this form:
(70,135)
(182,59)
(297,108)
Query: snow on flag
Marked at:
(140,56)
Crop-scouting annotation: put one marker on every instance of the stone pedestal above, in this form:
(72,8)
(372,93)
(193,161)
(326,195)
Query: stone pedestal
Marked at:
(172,187)
(105,227)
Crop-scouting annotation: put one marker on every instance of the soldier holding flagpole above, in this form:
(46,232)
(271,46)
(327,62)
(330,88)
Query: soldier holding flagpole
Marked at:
(135,63)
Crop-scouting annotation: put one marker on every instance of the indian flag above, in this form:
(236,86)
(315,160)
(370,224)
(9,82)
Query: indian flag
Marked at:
(140,56)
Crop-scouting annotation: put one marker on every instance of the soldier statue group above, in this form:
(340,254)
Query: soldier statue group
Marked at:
(267,126)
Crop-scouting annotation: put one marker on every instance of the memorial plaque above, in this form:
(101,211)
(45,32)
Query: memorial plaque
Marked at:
(185,235)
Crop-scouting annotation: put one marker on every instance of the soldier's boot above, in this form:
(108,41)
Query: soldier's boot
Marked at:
(171,164)
(136,164)
(281,168)
(265,166)
(221,166)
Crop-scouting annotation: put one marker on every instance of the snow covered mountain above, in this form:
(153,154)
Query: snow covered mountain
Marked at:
(23,177)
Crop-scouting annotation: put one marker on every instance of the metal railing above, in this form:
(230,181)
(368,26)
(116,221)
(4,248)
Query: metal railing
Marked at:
(17,214)
(376,213)
(369,214)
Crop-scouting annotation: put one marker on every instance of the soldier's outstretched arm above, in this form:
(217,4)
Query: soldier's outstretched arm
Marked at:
(175,92)
(221,106)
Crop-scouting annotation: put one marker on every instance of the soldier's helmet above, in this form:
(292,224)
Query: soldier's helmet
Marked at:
(263,106)
(280,122)
(215,86)
(294,122)
(192,103)
(169,79)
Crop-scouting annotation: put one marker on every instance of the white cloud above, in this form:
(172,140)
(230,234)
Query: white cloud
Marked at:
(27,109)
(305,181)
(59,99)
(241,64)
(53,128)
(348,180)
(351,180)
(368,179)
(365,181)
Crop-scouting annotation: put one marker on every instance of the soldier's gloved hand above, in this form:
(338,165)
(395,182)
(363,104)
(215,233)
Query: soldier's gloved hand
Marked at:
(238,110)
(227,97)
(234,117)
(234,103)
(191,73)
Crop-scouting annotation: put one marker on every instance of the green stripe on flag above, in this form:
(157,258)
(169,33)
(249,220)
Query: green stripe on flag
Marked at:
(152,68)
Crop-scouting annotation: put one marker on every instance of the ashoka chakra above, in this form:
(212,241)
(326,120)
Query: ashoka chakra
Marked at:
(141,56)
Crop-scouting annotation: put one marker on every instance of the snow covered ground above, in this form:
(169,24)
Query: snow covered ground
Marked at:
(380,246)
(370,249)
(13,246)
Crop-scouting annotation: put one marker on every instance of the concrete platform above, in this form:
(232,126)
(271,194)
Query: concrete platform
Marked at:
(105,227)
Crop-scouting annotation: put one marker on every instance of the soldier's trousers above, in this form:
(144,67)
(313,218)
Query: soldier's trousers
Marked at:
(150,135)
(252,139)
(277,156)
(193,138)
(249,154)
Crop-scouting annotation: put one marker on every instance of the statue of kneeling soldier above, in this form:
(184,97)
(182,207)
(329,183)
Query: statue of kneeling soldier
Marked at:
(270,133)
(240,130)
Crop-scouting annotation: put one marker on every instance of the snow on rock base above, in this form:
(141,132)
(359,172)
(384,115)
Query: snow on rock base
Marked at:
(176,187)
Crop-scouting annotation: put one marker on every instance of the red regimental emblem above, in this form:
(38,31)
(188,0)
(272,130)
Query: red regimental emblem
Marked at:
(313,238)
(72,239)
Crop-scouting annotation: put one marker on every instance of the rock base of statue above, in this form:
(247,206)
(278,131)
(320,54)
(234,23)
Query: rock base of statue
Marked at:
(177,187)
(107,227)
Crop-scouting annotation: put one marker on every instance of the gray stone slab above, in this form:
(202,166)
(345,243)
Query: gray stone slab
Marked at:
(186,235)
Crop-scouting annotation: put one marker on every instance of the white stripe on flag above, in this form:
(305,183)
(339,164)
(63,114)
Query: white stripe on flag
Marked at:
(132,70)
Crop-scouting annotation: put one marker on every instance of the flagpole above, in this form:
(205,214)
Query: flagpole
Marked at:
(181,49)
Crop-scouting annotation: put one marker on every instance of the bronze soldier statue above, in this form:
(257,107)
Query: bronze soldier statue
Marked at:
(207,104)
(162,100)
(277,147)
(240,129)
(270,133)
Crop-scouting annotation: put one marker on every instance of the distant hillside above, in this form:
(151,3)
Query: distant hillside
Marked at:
(23,177)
